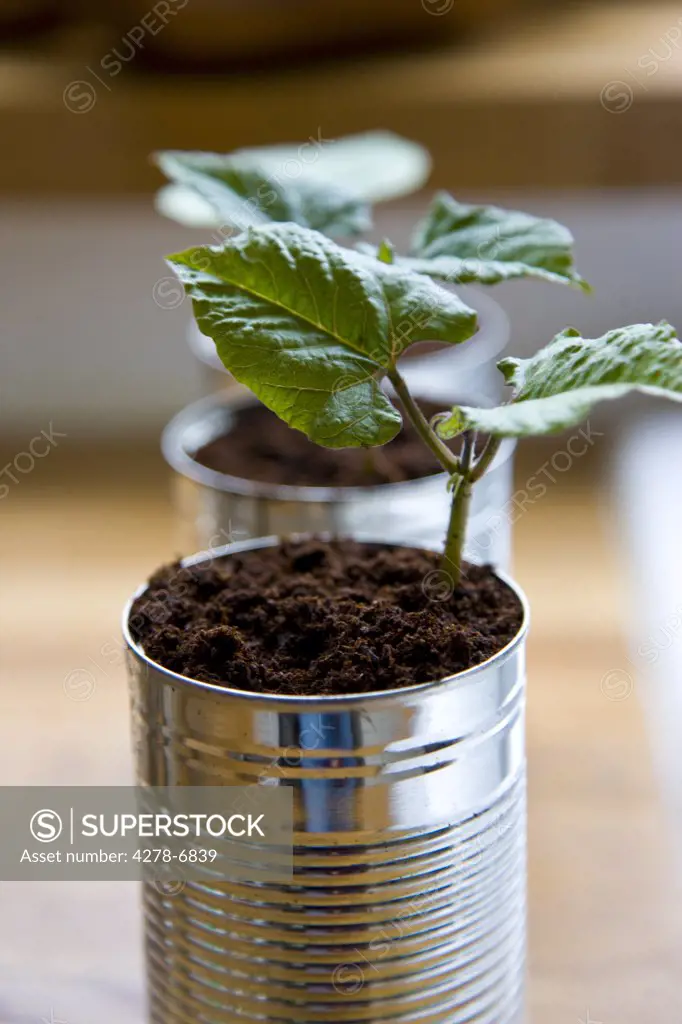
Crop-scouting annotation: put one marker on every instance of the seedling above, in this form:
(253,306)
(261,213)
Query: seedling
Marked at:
(314,329)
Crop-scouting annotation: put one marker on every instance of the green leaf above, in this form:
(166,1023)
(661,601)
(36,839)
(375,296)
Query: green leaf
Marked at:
(311,328)
(557,387)
(245,192)
(374,166)
(486,244)
(386,252)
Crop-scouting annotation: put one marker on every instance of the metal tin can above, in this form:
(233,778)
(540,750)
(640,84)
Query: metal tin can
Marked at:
(215,508)
(409,894)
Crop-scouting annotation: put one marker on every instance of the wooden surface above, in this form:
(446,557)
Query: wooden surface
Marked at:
(567,96)
(605,929)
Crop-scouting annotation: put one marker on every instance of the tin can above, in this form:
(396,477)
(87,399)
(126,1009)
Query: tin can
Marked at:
(408,901)
(215,508)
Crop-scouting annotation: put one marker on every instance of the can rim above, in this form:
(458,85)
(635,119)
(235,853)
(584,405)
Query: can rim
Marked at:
(175,450)
(405,694)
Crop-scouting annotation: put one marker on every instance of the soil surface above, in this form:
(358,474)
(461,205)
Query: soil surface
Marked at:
(262,447)
(323,618)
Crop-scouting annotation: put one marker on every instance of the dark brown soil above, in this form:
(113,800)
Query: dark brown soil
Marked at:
(262,447)
(319,618)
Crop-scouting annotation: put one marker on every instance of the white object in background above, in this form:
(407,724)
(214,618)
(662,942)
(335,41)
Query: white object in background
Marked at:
(376,165)
(649,483)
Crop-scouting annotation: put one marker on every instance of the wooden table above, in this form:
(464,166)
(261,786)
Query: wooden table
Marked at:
(80,532)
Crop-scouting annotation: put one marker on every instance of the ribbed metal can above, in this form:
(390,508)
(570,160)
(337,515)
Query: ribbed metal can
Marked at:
(215,508)
(408,900)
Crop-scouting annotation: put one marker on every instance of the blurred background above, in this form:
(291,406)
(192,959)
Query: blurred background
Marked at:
(571,111)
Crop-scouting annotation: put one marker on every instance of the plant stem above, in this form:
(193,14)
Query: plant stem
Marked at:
(481,466)
(464,472)
(459,469)
(459,513)
(445,457)
(454,541)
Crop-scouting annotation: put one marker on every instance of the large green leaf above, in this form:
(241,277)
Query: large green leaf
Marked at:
(374,166)
(558,386)
(311,327)
(245,191)
(487,244)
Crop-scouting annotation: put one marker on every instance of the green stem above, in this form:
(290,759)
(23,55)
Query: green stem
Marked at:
(460,470)
(459,513)
(454,541)
(445,457)
(482,464)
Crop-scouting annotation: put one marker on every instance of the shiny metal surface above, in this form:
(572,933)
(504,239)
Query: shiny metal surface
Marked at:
(215,508)
(409,895)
